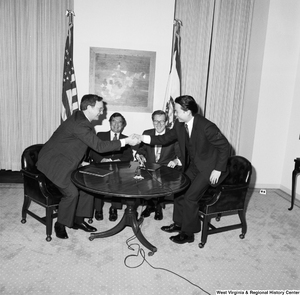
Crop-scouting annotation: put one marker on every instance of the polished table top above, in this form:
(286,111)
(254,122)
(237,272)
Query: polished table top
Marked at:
(122,182)
(128,182)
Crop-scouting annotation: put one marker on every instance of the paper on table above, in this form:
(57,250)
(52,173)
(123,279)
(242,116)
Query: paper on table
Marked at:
(96,171)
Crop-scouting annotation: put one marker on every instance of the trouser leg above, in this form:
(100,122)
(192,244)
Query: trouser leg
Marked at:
(67,205)
(186,208)
(85,206)
(99,203)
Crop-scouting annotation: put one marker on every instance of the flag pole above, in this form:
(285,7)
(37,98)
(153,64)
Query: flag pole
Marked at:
(70,14)
(209,59)
(173,89)
(69,90)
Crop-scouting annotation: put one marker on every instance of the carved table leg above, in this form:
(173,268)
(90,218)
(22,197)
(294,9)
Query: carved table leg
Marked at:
(128,219)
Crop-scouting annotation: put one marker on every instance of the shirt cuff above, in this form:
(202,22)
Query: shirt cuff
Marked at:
(123,142)
(147,139)
(178,162)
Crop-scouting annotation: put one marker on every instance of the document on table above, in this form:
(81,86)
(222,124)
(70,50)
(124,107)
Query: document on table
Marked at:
(96,171)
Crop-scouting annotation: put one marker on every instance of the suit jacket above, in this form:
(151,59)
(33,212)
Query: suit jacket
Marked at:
(65,149)
(168,153)
(210,147)
(123,154)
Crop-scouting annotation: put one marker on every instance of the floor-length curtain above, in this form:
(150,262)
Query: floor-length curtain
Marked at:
(33,36)
(228,65)
(196,17)
(215,41)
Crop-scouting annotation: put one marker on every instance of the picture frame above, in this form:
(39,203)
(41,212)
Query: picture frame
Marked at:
(123,77)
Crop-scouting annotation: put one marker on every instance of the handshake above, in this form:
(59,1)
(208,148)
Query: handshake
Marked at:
(134,139)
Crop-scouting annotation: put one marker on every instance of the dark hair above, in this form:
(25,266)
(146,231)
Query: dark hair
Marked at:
(187,102)
(89,100)
(158,112)
(114,115)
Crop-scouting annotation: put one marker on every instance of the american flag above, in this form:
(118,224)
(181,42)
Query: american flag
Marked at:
(69,93)
(174,81)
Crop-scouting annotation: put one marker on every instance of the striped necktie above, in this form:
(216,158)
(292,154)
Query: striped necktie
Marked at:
(157,152)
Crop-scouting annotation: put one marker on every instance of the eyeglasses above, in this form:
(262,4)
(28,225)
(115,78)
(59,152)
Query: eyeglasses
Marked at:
(159,122)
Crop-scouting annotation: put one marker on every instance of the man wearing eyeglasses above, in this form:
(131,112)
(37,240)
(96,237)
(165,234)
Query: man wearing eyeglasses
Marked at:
(117,125)
(164,155)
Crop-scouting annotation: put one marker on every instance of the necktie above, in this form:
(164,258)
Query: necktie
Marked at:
(115,137)
(157,152)
(187,130)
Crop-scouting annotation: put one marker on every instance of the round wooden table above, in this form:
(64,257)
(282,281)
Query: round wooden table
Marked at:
(130,184)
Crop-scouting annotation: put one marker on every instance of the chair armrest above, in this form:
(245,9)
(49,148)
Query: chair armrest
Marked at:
(30,174)
(226,188)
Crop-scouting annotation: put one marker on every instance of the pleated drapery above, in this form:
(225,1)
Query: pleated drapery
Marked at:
(33,36)
(228,65)
(196,16)
(215,41)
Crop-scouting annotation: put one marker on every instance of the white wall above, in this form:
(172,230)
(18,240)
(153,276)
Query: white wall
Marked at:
(127,24)
(293,135)
(277,121)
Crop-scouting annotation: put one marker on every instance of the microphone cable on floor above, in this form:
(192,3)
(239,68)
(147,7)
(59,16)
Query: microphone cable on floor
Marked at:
(140,251)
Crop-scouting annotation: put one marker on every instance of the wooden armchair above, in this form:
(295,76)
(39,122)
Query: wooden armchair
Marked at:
(39,189)
(226,199)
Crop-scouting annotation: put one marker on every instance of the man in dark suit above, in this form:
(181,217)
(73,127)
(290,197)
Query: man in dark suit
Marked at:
(164,155)
(117,125)
(204,155)
(62,154)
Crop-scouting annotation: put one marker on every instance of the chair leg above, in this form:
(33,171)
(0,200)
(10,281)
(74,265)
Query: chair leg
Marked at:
(205,225)
(25,207)
(242,215)
(49,223)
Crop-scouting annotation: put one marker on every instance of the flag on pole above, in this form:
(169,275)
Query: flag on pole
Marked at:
(69,93)
(174,81)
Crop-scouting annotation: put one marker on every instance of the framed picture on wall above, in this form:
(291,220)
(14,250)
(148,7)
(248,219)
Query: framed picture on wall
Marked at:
(124,78)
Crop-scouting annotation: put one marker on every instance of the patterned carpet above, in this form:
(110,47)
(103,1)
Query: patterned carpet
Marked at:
(267,259)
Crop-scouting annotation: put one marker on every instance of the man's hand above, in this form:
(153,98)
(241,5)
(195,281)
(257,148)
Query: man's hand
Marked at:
(139,137)
(173,163)
(141,159)
(214,176)
(132,140)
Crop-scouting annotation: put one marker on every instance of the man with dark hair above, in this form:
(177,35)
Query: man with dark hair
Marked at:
(62,154)
(117,125)
(164,155)
(204,155)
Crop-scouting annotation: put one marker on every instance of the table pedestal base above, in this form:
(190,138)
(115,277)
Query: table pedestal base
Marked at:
(128,219)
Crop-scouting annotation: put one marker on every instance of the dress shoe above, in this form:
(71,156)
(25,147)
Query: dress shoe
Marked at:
(84,226)
(113,214)
(182,238)
(171,228)
(60,231)
(148,211)
(158,213)
(99,215)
